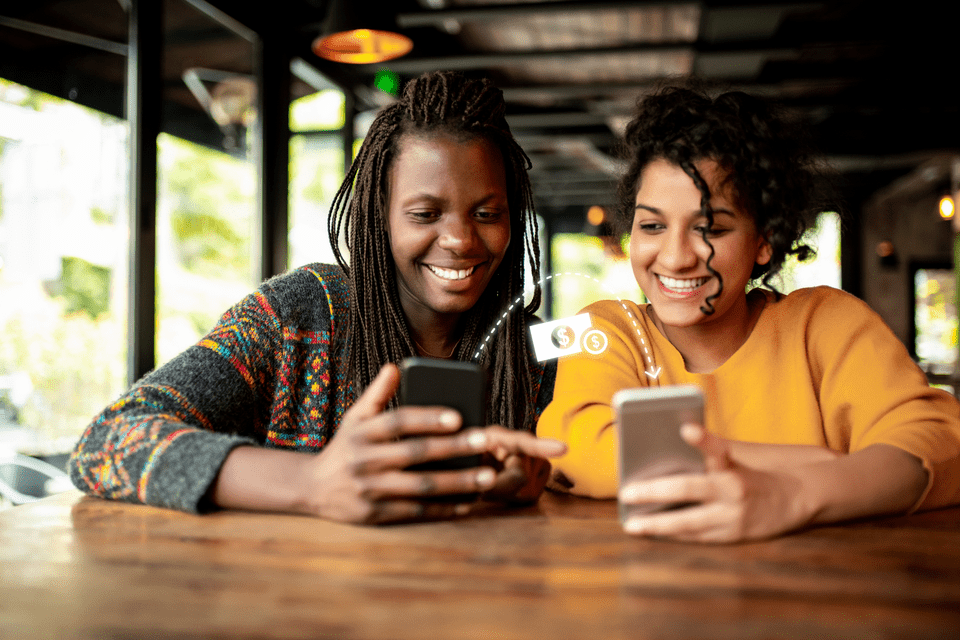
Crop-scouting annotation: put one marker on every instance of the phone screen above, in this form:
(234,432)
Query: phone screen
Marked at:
(446,383)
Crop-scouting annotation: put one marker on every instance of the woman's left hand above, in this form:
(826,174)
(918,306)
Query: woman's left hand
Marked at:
(732,502)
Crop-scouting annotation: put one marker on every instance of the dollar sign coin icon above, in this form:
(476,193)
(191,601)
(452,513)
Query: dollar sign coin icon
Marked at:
(562,337)
(594,341)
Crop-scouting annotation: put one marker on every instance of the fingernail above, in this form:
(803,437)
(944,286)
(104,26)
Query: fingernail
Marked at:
(690,431)
(556,445)
(633,526)
(450,419)
(477,440)
(485,478)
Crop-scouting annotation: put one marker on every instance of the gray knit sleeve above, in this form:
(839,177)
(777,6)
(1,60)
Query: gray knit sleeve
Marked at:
(164,441)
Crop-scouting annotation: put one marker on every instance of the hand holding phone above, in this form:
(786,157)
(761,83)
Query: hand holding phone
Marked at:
(448,383)
(648,423)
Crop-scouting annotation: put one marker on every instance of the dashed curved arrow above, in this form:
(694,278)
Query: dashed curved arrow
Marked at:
(651,369)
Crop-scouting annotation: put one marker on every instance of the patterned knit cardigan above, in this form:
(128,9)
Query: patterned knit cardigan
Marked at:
(272,372)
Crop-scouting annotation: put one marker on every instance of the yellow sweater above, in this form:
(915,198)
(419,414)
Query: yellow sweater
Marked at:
(819,368)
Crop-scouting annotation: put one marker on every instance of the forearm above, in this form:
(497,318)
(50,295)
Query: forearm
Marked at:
(259,479)
(878,480)
(776,457)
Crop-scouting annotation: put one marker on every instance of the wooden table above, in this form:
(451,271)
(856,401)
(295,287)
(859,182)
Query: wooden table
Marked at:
(78,567)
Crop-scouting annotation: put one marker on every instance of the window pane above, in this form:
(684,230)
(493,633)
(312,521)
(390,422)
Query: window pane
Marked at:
(323,110)
(316,171)
(935,317)
(63,263)
(589,268)
(205,218)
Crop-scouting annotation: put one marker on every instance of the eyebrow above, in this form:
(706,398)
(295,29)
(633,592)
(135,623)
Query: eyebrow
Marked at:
(656,211)
(493,196)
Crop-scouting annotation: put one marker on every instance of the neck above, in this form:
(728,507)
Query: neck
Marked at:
(436,340)
(444,352)
(707,345)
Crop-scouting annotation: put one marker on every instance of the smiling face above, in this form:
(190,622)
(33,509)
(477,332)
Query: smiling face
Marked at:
(448,222)
(669,255)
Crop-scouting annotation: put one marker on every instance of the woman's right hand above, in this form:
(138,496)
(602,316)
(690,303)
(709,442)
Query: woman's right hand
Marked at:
(360,476)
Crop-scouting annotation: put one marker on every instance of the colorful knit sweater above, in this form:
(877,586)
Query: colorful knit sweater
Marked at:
(272,372)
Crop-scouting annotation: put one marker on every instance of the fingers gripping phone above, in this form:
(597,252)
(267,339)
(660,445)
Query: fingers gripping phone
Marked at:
(462,386)
(648,423)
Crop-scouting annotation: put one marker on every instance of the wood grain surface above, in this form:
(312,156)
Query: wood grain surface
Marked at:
(79,567)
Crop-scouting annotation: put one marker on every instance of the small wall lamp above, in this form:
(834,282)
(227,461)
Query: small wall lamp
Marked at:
(947,208)
(231,103)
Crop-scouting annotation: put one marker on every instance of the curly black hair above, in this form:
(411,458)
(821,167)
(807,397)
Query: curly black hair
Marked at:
(772,167)
(439,103)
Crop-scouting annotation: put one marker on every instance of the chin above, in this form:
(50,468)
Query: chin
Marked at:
(453,305)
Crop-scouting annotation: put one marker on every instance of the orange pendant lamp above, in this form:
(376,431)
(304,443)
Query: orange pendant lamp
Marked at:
(353,38)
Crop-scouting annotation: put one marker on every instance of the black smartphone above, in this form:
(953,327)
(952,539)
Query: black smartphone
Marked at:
(461,386)
(648,423)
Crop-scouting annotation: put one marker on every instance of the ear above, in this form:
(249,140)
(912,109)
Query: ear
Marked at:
(764,251)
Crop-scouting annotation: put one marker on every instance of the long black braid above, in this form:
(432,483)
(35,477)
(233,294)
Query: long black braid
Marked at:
(770,164)
(438,103)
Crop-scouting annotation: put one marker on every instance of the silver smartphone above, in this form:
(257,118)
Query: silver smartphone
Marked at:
(648,423)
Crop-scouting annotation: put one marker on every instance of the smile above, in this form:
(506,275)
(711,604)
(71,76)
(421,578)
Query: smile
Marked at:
(682,286)
(451,274)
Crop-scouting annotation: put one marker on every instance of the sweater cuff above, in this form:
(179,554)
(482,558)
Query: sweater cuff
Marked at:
(180,477)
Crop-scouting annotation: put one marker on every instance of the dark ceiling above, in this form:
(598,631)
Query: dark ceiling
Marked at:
(876,83)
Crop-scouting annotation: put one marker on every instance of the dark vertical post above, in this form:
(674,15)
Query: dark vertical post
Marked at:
(349,131)
(851,248)
(272,65)
(144,94)
(546,268)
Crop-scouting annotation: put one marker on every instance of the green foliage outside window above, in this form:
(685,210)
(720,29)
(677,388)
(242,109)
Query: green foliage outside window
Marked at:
(85,287)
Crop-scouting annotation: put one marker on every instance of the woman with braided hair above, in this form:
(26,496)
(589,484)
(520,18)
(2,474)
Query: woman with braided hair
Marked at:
(288,404)
(814,411)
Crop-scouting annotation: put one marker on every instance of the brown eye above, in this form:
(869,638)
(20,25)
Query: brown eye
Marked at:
(424,215)
(489,215)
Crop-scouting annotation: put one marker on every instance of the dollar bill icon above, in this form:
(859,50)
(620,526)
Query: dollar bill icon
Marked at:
(558,337)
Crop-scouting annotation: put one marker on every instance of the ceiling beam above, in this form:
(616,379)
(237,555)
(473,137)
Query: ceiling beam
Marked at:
(469,61)
(119,48)
(552,120)
(490,13)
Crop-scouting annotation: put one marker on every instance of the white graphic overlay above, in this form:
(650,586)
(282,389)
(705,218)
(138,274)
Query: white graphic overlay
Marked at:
(559,337)
(650,366)
(594,342)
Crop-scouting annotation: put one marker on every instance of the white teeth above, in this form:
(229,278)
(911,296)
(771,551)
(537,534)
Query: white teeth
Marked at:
(682,286)
(451,274)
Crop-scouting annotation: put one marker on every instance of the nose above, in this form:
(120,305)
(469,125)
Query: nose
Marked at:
(458,233)
(679,251)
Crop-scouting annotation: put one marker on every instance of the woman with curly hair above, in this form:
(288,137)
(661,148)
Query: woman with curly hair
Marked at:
(814,410)
(288,404)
